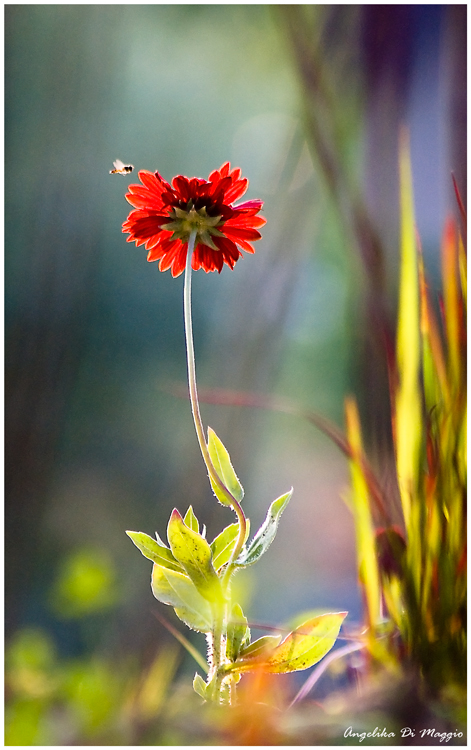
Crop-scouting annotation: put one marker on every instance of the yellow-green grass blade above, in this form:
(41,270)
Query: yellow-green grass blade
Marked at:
(435,378)
(408,418)
(463,263)
(365,534)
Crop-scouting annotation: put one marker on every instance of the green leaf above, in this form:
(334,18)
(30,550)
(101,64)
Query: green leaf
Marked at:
(266,533)
(194,554)
(177,590)
(260,647)
(159,540)
(191,521)
(306,645)
(223,545)
(237,632)
(222,463)
(154,550)
(199,686)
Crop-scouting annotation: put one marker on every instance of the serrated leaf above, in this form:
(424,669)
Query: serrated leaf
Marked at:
(266,533)
(199,686)
(191,521)
(306,645)
(222,463)
(236,632)
(194,555)
(154,550)
(261,646)
(177,590)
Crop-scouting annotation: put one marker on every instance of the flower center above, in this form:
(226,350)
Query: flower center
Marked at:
(184,221)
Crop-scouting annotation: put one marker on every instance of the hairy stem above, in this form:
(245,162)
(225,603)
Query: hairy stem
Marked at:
(217,655)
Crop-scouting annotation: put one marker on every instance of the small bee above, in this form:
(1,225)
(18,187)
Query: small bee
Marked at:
(120,168)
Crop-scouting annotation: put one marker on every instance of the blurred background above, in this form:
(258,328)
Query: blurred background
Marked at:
(308,101)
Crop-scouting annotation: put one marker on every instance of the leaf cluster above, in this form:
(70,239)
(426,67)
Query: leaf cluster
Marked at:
(193,575)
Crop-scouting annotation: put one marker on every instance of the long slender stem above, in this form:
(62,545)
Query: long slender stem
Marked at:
(218,653)
(195,404)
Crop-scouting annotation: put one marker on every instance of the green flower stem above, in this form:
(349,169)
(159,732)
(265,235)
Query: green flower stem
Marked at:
(217,661)
(196,409)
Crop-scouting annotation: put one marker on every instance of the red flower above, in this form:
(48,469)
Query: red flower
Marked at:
(165,215)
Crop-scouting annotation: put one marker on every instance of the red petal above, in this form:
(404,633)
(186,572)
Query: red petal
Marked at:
(218,189)
(235,174)
(179,263)
(241,233)
(169,255)
(225,169)
(142,198)
(153,242)
(145,227)
(155,253)
(228,248)
(236,191)
(183,187)
(153,183)
(249,204)
(241,220)
(245,246)
(161,180)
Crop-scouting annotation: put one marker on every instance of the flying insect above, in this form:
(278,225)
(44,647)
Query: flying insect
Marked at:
(120,168)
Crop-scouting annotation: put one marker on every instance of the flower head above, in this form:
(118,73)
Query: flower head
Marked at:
(165,215)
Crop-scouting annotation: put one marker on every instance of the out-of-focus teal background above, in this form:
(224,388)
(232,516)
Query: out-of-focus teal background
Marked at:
(96,441)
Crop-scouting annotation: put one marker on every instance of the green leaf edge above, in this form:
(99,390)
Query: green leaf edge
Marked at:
(275,668)
(225,471)
(191,521)
(199,686)
(154,551)
(250,554)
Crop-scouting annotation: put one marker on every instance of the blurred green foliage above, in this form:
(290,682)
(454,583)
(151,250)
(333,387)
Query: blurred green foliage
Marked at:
(86,583)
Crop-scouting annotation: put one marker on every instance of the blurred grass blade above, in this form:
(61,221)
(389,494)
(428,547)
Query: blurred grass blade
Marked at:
(199,659)
(408,418)
(451,302)
(365,535)
(459,200)
(435,378)
(462,261)
(153,692)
